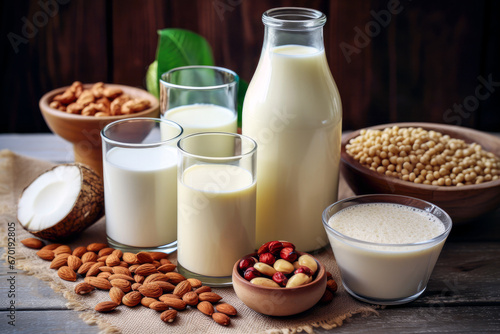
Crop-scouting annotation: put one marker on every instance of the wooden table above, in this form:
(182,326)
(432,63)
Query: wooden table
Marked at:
(463,294)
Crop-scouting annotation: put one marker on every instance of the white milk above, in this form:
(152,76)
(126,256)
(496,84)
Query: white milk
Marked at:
(141,195)
(385,272)
(196,118)
(216,218)
(292,110)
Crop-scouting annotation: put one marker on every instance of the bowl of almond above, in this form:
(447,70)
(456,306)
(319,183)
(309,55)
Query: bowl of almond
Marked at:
(78,113)
(277,280)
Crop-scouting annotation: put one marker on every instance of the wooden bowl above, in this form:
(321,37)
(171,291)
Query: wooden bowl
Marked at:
(85,131)
(279,301)
(461,203)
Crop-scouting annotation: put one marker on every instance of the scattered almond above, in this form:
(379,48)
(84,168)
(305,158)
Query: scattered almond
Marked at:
(206,308)
(74,262)
(132,298)
(221,318)
(89,257)
(152,290)
(130,258)
(98,282)
(121,270)
(66,273)
(33,243)
(83,288)
(175,278)
(116,294)
(51,247)
(168,316)
(226,309)
(191,298)
(96,247)
(94,269)
(174,303)
(79,251)
(146,301)
(158,255)
(59,261)
(165,268)
(195,283)
(182,288)
(121,284)
(112,260)
(158,306)
(46,254)
(63,249)
(146,269)
(209,297)
(204,288)
(84,268)
(143,257)
(107,306)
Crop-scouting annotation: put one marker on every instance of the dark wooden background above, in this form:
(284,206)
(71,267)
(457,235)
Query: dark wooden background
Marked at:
(427,62)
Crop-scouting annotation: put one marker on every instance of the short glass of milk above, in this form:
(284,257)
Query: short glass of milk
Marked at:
(216,200)
(386,246)
(200,98)
(140,183)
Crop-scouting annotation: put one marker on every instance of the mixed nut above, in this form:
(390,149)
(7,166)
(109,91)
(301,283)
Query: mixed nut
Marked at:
(277,264)
(146,278)
(98,101)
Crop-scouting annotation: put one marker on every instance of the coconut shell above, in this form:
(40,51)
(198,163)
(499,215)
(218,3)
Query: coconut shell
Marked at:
(87,209)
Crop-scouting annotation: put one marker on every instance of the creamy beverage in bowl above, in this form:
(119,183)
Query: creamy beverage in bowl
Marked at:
(386,246)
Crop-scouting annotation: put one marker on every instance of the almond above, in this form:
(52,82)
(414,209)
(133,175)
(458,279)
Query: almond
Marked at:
(59,261)
(89,257)
(130,258)
(206,308)
(158,255)
(191,298)
(107,306)
(155,278)
(209,297)
(122,284)
(139,278)
(102,258)
(165,261)
(94,269)
(51,247)
(136,286)
(104,274)
(221,319)
(33,243)
(79,251)
(146,301)
(121,270)
(118,253)
(146,269)
(123,264)
(168,316)
(132,298)
(166,286)
(116,295)
(112,260)
(122,276)
(174,303)
(74,262)
(84,268)
(66,273)
(195,283)
(226,309)
(182,288)
(63,249)
(175,278)
(98,282)
(202,289)
(327,297)
(83,288)
(331,285)
(168,295)
(133,267)
(165,268)
(158,306)
(144,257)
(106,269)
(105,251)
(152,290)
(96,247)
(46,254)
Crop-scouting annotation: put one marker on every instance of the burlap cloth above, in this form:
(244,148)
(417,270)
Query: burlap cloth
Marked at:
(16,172)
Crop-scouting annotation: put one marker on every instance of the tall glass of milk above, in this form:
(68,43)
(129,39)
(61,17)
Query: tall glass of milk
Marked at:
(200,98)
(292,109)
(140,183)
(386,246)
(216,204)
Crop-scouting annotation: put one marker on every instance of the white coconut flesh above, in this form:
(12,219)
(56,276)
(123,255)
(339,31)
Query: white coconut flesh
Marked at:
(50,198)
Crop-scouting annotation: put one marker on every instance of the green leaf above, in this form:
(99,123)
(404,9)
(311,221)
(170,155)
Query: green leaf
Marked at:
(152,81)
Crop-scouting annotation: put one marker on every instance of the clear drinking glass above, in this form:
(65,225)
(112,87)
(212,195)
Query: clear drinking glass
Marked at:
(386,273)
(140,183)
(200,98)
(216,204)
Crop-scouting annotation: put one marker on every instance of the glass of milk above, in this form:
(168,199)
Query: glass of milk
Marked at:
(200,98)
(386,246)
(216,204)
(140,183)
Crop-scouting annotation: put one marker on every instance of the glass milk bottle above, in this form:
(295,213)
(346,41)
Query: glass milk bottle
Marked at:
(292,109)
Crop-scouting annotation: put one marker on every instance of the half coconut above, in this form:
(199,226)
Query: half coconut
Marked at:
(62,202)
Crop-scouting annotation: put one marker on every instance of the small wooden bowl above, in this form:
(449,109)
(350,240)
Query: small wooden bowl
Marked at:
(85,131)
(279,301)
(461,203)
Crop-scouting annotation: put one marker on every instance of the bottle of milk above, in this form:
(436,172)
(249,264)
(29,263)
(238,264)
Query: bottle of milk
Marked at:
(292,109)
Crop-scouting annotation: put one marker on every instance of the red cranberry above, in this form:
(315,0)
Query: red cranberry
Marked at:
(267,258)
(246,263)
(251,273)
(280,278)
(303,270)
(288,254)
